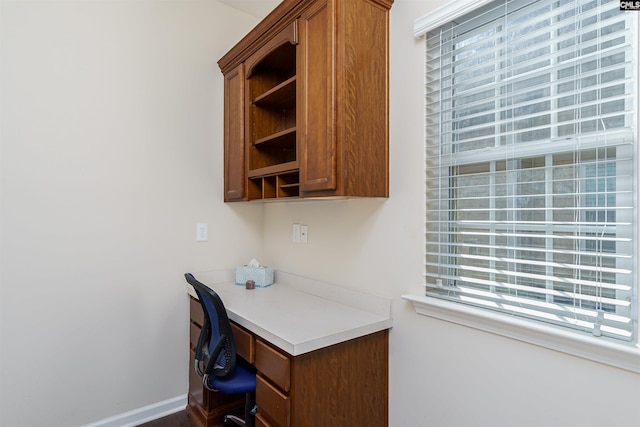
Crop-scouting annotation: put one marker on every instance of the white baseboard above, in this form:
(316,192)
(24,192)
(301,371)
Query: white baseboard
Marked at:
(144,414)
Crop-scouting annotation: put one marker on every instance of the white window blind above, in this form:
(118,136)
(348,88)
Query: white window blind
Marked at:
(531,131)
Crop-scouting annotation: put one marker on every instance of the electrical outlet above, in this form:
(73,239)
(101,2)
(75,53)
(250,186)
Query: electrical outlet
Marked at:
(202,232)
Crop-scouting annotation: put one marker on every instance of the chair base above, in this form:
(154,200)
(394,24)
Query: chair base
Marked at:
(250,410)
(229,419)
(211,408)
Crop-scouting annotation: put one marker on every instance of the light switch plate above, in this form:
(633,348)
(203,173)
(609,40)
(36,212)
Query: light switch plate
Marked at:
(296,233)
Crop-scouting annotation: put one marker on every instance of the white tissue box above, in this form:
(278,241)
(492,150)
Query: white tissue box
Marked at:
(263,276)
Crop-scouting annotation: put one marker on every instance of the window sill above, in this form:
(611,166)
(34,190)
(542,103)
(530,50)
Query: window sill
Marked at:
(596,349)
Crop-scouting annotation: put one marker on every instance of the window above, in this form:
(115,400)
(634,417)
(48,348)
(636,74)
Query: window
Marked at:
(531,163)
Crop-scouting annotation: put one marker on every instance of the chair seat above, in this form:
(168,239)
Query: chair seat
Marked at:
(241,380)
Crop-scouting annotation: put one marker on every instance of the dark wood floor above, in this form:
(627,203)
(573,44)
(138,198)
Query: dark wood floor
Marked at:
(179,419)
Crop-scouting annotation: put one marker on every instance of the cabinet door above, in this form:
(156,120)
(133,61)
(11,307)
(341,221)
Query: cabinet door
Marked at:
(318,141)
(235,182)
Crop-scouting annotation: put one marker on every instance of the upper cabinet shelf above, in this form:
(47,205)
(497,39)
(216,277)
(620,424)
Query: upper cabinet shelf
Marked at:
(281,96)
(306,103)
(285,138)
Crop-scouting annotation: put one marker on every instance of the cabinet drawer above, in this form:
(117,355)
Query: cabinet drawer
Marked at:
(197,315)
(272,404)
(196,389)
(245,347)
(194,334)
(261,422)
(274,365)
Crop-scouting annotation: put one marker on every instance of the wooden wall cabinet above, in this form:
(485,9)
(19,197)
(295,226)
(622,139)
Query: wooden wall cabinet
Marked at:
(306,103)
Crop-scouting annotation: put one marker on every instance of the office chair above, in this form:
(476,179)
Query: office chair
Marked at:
(216,353)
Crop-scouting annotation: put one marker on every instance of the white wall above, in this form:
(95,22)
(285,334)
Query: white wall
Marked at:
(111,153)
(440,374)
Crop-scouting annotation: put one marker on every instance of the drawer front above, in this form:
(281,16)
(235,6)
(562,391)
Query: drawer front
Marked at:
(196,389)
(197,315)
(194,334)
(261,422)
(272,404)
(245,344)
(274,365)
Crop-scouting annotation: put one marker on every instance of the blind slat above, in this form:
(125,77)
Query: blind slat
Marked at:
(516,274)
(532,262)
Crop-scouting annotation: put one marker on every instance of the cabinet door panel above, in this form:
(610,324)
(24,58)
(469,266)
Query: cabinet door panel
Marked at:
(317,142)
(235,182)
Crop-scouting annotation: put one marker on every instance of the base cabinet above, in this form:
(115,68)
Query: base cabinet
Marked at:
(345,384)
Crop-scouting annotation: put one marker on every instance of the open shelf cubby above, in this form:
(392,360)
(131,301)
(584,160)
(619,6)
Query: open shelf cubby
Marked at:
(275,186)
(273,161)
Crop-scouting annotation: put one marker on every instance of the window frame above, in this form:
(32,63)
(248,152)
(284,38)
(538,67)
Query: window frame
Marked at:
(621,355)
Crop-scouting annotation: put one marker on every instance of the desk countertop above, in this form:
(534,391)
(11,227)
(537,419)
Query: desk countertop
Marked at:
(297,314)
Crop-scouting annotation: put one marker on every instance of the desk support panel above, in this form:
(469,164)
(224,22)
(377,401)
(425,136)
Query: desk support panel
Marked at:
(343,385)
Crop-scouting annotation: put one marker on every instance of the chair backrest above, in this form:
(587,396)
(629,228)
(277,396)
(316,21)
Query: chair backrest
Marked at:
(216,349)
